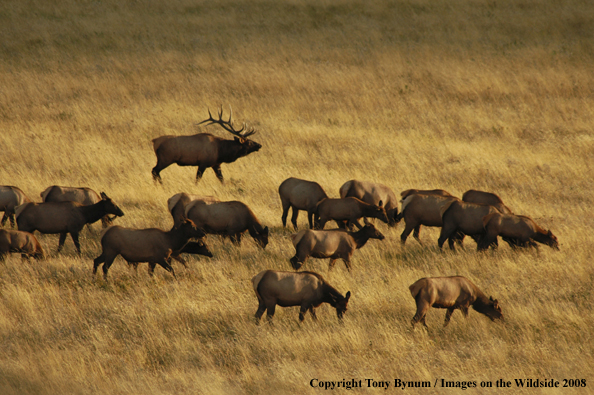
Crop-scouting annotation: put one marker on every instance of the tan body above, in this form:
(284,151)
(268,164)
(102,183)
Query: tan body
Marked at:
(515,227)
(333,244)
(178,203)
(419,209)
(480,197)
(10,199)
(451,293)
(300,195)
(24,243)
(305,289)
(347,210)
(152,245)
(63,217)
(82,195)
(228,219)
(466,218)
(372,193)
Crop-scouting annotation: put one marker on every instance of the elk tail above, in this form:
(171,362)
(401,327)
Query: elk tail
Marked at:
(159,140)
(416,287)
(487,218)
(345,189)
(45,193)
(296,237)
(256,281)
(172,201)
(446,206)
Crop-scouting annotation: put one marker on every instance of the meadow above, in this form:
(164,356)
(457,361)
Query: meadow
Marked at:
(469,94)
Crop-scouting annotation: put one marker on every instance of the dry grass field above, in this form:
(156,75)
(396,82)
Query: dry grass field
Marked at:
(490,95)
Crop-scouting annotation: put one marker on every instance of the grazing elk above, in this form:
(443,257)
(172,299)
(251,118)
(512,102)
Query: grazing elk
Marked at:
(463,218)
(520,228)
(333,244)
(177,204)
(480,197)
(372,193)
(305,289)
(24,243)
(82,195)
(10,199)
(451,293)
(152,245)
(203,149)
(300,195)
(64,217)
(228,219)
(420,209)
(347,210)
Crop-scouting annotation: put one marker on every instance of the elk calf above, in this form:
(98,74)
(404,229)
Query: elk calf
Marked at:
(520,228)
(372,193)
(24,243)
(10,199)
(347,210)
(451,293)
(305,289)
(300,195)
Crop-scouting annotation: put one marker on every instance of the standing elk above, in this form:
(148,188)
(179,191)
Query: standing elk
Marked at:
(177,204)
(82,195)
(451,293)
(203,149)
(464,218)
(228,219)
(372,193)
(152,245)
(480,197)
(305,289)
(520,228)
(10,199)
(24,243)
(346,211)
(333,244)
(64,217)
(300,195)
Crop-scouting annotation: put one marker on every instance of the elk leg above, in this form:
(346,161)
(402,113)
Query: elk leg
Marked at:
(449,315)
(422,308)
(157,169)
(108,261)
(406,233)
(165,265)
(356,223)
(151,268)
(310,218)
(270,311)
(294,217)
(286,207)
(74,236)
(417,234)
(302,311)
(347,263)
(61,241)
(180,260)
(219,173)
(4,218)
(331,264)
(296,263)
(464,311)
(199,173)
(260,311)
(313,313)
(98,261)
(447,231)
(236,238)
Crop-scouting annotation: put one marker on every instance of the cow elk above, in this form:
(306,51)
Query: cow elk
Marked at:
(372,193)
(520,228)
(177,204)
(464,218)
(21,242)
(305,289)
(451,293)
(480,197)
(10,199)
(333,244)
(300,195)
(64,217)
(346,211)
(203,149)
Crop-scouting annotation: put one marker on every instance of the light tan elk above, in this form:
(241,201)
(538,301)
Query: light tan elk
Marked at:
(82,195)
(466,218)
(177,204)
(520,228)
(480,197)
(451,293)
(24,243)
(333,244)
(305,289)
(10,199)
(228,219)
(300,195)
(347,210)
(372,193)
(64,217)
(152,245)
(203,149)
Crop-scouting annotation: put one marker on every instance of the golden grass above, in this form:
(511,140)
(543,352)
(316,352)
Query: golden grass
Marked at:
(414,94)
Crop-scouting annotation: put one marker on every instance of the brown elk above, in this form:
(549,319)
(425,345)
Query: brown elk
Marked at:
(192,247)
(372,193)
(516,227)
(228,219)
(347,210)
(82,195)
(152,245)
(333,244)
(64,217)
(177,204)
(436,192)
(203,149)
(300,195)
(305,289)
(464,218)
(24,243)
(10,199)
(480,197)
(451,293)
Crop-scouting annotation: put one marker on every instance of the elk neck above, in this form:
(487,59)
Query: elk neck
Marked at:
(94,212)
(229,151)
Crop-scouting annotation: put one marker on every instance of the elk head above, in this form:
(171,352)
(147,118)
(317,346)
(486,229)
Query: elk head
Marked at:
(111,207)
(241,136)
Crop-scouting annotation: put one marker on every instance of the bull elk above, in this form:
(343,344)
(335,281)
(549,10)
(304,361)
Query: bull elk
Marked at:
(480,197)
(300,195)
(372,193)
(203,149)
(346,211)
(24,243)
(64,217)
(305,289)
(10,198)
(177,204)
(523,230)
(451,293)
(333,244)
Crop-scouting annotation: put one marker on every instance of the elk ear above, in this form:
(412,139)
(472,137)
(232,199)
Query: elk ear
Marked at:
(549,233)
(491,298)
(347,296)
(104,196)
(380,204)
(265,231)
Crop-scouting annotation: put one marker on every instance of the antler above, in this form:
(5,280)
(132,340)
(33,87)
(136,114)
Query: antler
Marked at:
(228,125)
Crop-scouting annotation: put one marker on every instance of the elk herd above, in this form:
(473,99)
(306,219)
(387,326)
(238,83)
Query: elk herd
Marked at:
(480,215)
